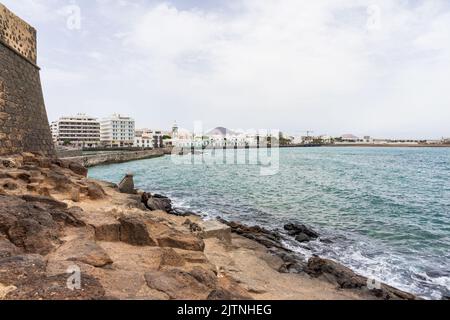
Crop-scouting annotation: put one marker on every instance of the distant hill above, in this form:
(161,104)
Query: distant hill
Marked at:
(220,131)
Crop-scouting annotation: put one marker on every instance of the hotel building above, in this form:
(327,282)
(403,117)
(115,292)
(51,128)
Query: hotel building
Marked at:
(80,131)
(117,131)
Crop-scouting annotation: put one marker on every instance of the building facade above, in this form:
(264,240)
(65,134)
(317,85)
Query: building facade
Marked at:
(148,138)
(79,131)
(117,131)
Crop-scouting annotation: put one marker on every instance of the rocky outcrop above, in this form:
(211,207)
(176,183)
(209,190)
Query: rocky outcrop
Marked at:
(261,235)
(173,239)
(157,202)
(135,232)
(28,226)
(83,250)
(127,184)
(197,283)
(301,232)
(347,279)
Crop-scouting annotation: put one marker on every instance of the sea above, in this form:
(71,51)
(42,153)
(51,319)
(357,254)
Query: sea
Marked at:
(385,212)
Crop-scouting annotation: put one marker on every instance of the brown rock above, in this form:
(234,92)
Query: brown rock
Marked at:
(108,231)
(177,284)
(170,258)
(59,181)
(83,250)
(180,240)
(95,191)
(20,268)
(19,175)
(135,232)
(55,288)
(51,202)
(127,184)
(33,187)
(225,295)
(78,169)
(9,185)
(75,194)
(206,277)
(7,249)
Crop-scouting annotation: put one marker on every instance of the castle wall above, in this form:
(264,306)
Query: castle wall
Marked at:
(24,124)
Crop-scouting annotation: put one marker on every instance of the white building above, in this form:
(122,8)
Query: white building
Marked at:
(77,131)
(147,138)
(117,131)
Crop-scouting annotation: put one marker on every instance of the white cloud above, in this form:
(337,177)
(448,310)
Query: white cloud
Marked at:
(368,67)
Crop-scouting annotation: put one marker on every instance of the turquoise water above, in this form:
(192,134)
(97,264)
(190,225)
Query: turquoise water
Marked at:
(387,210)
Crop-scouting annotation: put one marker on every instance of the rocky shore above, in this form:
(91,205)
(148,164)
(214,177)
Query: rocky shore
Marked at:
(129,244)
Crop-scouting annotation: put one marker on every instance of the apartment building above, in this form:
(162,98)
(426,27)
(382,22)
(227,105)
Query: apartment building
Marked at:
(80,131)
(117,131)
(147,138)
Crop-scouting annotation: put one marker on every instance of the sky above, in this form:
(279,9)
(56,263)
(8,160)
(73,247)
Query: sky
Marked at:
(378,68)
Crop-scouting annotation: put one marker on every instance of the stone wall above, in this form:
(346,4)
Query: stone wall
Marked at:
(17,34)
(23,119)
(118,157)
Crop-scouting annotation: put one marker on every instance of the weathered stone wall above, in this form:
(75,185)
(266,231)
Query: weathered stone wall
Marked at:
(17,34)
(118,157)
(23,119)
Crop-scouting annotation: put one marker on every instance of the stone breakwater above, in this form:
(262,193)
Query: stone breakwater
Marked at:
(103,158)
(54,220)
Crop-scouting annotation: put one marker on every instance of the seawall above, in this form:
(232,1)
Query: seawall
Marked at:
(117,157)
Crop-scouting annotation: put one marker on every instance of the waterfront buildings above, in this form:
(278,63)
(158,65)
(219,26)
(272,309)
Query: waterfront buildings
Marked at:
(80,131)
(117,131)
(147,138)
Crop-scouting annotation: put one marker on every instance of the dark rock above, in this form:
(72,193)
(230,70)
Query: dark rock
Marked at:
(298,229)
(33,223)
(192,226)
(222,294)
(347,279)
(55,288)
(157,202)
(51,202)
(28,226)
(78,169)
(127,184)
(20,268)
(7,249)
(9,185)
(267,238)
(292,263)
(302,237)
(135,232)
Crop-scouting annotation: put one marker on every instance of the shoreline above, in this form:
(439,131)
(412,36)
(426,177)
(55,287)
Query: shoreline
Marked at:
(293,262)
(127,251)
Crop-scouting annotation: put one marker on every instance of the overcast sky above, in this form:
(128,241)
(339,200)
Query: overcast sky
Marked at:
(379,68)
